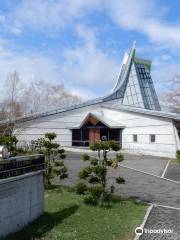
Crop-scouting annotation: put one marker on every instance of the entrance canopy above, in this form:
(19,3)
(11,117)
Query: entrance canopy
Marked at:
(95,117)
(95,127)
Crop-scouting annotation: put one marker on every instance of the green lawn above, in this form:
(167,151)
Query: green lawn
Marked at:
(174,161)
(66,217)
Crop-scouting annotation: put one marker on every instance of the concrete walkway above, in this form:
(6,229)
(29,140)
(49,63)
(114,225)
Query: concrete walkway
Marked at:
(162,219)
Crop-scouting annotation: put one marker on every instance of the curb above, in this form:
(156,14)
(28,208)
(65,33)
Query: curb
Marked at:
(145,219)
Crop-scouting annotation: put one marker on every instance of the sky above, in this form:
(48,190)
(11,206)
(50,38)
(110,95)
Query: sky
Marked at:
(81,43)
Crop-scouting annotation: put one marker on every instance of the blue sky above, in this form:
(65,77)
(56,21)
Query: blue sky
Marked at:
(80,43)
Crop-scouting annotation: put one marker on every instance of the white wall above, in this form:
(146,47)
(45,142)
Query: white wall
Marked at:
(144,125)
(136,123)
(61,124)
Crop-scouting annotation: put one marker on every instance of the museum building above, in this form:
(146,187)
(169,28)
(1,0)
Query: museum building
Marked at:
(131,115)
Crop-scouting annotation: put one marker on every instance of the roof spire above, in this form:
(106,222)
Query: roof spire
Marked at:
(134,44)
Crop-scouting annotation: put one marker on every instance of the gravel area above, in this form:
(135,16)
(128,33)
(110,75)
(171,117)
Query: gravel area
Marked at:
(162,218)
(173,172)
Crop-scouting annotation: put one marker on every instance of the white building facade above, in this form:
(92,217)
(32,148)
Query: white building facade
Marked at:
(130,115)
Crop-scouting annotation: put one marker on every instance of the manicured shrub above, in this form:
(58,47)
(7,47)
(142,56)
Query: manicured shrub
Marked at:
(93,179)
(81,188)
(20,150)
(119,157)
(120,180)
(90,199)
(99,170)
(84,173)
(94,162)
(178,155)
(96,191)
(85,157)
(59,169)
(96,173)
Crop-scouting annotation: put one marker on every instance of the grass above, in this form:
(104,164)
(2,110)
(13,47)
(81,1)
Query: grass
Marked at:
(66,217)
(175,161)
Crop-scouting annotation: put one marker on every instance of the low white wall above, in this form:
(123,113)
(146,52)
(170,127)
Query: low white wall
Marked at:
(21,201)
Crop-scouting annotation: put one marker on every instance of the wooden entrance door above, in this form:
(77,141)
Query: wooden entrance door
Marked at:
(94,135)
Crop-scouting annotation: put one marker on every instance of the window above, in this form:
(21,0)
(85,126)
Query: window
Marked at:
(135,138)
(152,138)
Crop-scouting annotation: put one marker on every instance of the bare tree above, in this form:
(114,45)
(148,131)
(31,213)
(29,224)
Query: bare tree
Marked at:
(42,96)
(13,89)
(171,98)
(38,96)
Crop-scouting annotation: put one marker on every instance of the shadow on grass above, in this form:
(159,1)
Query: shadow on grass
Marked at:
(38,228)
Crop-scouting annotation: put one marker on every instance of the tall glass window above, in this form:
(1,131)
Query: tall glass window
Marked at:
(147,88)
(132,96)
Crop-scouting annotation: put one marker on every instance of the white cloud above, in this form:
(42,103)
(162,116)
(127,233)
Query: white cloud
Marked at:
(45,15)
(146,17)
(143,16)
(89,66)
(87,70)
(29,65)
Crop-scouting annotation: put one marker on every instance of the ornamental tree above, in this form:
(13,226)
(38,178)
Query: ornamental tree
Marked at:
(54,155)
(96,173)
(10,142)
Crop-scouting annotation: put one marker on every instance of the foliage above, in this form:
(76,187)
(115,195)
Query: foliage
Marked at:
(10,142)
(96,173)
(93,179)
(120,180)
(60,169)
(94,162)
(37,144)
(84,173)
(86,157)
(54,166)
(81,188)
(89,199)
(119,157)
(96,191)
(178,155)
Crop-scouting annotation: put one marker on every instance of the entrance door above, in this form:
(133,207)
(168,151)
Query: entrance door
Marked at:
(94,135)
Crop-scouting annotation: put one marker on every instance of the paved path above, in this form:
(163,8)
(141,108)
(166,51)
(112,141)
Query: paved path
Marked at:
(146,187)
(173,172)
(149,164)
(162,218)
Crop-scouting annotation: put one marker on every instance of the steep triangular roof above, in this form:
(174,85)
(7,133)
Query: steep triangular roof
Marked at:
(135,86)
